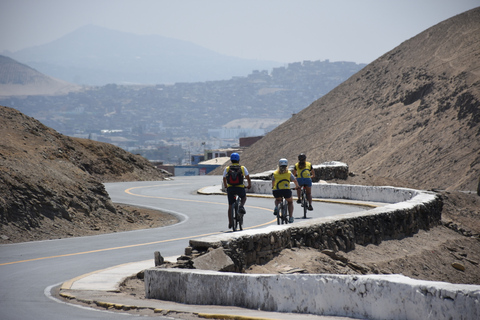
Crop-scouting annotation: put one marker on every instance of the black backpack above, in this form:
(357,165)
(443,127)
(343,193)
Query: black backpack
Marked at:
(234,176)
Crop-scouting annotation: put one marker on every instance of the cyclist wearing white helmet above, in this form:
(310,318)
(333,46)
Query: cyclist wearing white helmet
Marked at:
(233,180)
(281,186)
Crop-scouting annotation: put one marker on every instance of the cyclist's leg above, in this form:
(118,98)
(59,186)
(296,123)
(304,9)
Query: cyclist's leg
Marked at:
(277,202)
(290,209)
(278,199)
(231,200)
(299,191)
(308,190)
(243,198)
(230,216)
(290,206)
(287,194)
(309,196)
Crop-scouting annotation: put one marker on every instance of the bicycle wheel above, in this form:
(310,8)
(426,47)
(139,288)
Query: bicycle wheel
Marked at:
(284,212)
(279,208)
(239,219)
(304,203)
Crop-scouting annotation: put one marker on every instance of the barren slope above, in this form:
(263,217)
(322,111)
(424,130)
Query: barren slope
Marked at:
(17,79)
(47,177)
(411,116)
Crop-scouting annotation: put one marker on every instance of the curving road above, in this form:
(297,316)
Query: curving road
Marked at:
(28,271)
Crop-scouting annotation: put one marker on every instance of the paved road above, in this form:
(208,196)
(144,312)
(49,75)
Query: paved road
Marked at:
(29,270)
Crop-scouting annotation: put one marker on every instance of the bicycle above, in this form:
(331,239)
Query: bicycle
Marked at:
(237,216)
(282,212)
(304,201)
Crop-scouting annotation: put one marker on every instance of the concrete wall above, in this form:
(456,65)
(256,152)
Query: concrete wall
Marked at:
(373,297)
(346,191)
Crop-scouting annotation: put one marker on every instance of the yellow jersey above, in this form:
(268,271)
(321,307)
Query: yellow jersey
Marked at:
(282,180)
(305,172)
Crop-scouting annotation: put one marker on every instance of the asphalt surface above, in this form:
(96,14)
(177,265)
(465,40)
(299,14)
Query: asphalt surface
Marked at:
(31,272)
(100,289)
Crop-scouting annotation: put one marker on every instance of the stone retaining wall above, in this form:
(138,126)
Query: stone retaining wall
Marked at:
(330,170)
(343,232)
(326,171)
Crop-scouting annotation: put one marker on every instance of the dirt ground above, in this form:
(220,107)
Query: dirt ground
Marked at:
(449,252)
(127,218)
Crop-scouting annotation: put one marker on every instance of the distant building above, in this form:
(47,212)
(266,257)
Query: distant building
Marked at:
(197,158)
(248,141)
(198,170)
(234,133)
(218,153)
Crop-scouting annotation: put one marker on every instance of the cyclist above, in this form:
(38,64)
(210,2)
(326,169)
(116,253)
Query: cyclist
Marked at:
(235,185)
(304,173)
(281,186)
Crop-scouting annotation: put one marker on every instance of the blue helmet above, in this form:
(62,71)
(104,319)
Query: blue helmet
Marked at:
(235,157)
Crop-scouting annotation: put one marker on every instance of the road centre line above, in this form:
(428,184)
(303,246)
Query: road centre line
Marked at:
(187,200)
(141,244)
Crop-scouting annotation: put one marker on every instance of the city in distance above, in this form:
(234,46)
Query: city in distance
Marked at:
(171,122)
(166,98)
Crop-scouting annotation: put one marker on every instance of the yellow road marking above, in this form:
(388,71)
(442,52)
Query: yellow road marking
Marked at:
(141,244)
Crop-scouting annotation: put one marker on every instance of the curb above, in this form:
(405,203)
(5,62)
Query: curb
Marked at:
(165,312)
(203,191)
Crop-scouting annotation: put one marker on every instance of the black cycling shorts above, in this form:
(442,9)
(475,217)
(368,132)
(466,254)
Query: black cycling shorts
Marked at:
(285,193)
(232,191)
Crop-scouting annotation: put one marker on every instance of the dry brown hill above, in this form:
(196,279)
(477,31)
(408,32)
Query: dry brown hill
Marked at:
(411,116)
(46,177)
(19,79)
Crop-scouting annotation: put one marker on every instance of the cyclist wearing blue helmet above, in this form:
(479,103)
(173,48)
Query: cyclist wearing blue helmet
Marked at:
(233,180)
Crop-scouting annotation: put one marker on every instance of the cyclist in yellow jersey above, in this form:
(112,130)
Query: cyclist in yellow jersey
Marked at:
(304,173)
(281,186)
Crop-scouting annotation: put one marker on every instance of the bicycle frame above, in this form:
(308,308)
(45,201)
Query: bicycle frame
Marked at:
(282,212)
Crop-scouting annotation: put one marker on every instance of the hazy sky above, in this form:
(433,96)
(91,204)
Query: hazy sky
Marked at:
(277,30)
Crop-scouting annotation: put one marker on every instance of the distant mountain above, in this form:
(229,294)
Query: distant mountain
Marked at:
(94,55)
(411,117)
(19,79)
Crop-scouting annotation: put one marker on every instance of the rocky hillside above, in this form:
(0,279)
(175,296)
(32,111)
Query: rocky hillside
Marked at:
(411,117)
(19,79)
(46,176)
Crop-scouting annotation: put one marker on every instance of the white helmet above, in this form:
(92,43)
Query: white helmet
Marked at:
(283,162)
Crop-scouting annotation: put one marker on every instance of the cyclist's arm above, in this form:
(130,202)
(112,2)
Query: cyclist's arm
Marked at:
(225,182)
(292,177)
(225,178)
(249,182)
(312,172)
(247,175)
